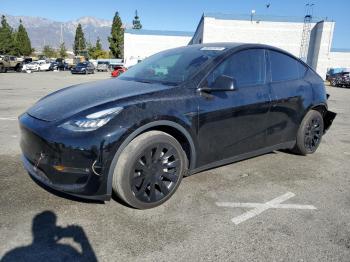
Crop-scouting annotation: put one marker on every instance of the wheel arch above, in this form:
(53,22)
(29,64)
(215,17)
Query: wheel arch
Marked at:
(172,128)
(321,108)
(327,116)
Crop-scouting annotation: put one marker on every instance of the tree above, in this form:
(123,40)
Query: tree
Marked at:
(91,50)
(116,40)
(22,41)
(79,41)
(136,23)
(48,51)
(63,50)
(96,52)
(7,42)
(98,44)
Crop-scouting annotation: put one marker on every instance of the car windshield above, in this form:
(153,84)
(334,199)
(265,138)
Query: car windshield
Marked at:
(171,67)
(82,64)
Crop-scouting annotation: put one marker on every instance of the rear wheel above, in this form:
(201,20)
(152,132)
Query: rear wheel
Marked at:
(149,170)
(310,133)
(333,83)
(18,68)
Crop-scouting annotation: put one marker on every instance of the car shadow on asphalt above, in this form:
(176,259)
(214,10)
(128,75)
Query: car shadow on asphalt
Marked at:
(47,244)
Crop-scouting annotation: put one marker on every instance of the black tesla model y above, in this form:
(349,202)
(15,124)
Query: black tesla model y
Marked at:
(174,114)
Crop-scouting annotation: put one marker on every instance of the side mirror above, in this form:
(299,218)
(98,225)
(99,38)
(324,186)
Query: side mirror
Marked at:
(221,83)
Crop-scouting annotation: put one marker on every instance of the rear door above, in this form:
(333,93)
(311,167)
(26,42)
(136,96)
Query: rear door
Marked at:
(234,122)
(289,91)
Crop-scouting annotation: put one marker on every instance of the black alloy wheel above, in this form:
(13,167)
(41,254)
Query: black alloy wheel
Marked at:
(310,133)
(313,134)
(155,173)
(149,170)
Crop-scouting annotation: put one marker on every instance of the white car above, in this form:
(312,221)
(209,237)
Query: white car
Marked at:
(32,66)
(43,66)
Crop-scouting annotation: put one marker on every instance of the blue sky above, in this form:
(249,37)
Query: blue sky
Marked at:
(181,15)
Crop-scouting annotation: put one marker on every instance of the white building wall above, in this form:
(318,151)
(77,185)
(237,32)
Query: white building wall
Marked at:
(285,35)
(339,60)
(140,46)
(323,41)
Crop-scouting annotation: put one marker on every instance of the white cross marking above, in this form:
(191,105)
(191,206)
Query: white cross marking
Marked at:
(8,118)
(258,208)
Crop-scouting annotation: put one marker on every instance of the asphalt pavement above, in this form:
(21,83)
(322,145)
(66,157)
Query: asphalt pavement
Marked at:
(275,207)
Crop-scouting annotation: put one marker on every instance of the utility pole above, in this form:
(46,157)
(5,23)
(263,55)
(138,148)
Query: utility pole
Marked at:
(61,37)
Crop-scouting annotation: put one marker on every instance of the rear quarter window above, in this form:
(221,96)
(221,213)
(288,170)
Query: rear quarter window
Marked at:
(284,67)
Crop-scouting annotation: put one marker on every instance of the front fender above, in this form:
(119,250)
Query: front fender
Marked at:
(138,131)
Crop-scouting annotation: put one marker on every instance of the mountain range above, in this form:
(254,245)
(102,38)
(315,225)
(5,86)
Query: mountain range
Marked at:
(43,31)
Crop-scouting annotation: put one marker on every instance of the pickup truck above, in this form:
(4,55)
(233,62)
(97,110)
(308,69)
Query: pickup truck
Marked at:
(8,62)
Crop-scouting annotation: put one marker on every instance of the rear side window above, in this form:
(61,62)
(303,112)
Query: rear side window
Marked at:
(284,67)
(247,67)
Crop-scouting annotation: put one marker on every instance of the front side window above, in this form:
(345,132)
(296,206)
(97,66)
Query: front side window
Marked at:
(246,67)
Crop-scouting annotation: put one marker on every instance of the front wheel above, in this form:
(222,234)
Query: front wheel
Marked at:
(149,170)
(310,133)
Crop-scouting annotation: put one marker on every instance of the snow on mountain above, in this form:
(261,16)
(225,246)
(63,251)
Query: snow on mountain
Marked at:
(43,31)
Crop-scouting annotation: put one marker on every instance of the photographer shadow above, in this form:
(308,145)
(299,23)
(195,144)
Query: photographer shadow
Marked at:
(46,246)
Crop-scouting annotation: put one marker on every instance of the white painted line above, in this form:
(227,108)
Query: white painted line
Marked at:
(258,208)
(8,118)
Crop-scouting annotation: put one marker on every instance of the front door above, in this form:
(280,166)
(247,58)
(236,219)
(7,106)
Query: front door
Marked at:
(234,122)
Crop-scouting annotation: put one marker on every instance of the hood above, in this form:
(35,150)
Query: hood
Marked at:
(72,100)
(79,67)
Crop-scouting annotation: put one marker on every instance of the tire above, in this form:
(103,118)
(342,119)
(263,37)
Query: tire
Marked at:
(140,178)
(309,134)
(2,70)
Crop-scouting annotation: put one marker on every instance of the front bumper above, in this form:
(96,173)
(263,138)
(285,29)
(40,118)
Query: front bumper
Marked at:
(78,71)
(71,189)
(76,165)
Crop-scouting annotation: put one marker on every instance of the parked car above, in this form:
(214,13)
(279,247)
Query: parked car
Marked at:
(27,60)
(44,66)
(8,62)
(83,68)
(340,79)
(32,66)
(61,66)
(102,66)
(140,133)
(118,70)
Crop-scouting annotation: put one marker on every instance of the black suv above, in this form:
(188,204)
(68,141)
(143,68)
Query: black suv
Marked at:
(340,79)
(174,114)
(83,68)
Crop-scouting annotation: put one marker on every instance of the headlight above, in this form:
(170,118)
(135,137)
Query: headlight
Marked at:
(93,121)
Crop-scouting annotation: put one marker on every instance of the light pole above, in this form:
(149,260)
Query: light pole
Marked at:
(252,13)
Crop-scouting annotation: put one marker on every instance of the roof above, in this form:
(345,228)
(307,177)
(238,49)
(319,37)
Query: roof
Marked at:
(256,17)
(158,32)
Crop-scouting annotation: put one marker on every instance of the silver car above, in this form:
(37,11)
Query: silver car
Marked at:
(102,66)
